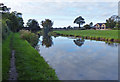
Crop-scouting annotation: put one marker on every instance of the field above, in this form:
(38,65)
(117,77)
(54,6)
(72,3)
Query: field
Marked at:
(110,34)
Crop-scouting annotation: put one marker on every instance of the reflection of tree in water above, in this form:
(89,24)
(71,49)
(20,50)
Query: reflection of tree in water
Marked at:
(47,40)
(37,47)
(79,42)
(112,44)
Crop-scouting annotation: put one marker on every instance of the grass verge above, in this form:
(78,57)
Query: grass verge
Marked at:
(6,54)
(30,65)
(110,34)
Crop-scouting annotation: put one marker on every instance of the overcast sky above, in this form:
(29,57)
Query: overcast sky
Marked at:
(64,12)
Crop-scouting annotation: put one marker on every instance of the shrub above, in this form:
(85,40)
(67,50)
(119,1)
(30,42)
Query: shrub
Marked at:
(5,29)
(116,28)
(32,38)
(87,26)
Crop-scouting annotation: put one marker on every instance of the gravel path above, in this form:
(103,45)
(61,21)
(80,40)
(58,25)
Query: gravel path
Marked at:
(12,72)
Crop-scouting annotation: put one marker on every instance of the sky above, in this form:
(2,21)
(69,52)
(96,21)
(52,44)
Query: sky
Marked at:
(64,12)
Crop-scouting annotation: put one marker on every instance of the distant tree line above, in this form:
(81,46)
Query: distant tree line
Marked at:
(112,22)
(13,22)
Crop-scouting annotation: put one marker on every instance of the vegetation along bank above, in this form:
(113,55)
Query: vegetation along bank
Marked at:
(30,65)
(105,35)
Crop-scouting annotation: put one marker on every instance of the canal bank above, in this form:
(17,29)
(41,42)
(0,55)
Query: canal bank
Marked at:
(30,65)
(100,35)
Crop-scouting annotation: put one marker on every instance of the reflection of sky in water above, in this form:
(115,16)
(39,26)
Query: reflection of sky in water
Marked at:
(94,60)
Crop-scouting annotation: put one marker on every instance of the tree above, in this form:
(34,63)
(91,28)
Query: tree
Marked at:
(79,20)
(10,21)
(117,25)
(15,23)
(116,18)
(47,25)
(5,29)
(87,26)
(3,8)
(64,27)
(19,19)
(69,27)
(91,24)
(33,25)
(110,23)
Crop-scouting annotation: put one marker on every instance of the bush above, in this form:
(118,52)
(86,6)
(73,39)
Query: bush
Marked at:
(87,26)
(5,29)
(32,38)
(116,28)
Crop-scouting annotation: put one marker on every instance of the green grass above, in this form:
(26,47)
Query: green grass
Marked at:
(6,53)
(0,61)
(30,65)
(92,33)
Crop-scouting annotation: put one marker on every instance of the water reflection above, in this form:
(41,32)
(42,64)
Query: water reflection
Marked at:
(79,42)
(47,40)
(112,44)
(95,60)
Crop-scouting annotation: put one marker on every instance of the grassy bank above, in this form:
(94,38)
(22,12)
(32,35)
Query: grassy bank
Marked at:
(6,53)
(30,65)
(107,34)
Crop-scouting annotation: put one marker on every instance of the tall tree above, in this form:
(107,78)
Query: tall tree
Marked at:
(79,20)
(10,21)
(14,22)
(3,8)
(91,24)
(33,24)
(110,23)
(47,25)
(117,25)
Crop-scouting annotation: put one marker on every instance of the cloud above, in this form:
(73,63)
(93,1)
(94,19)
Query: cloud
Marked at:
(61,1)
(63,10)
(91,64)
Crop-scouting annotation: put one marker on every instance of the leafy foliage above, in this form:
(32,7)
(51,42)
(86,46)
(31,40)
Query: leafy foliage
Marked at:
(91,24)
(87,26)
(79,20)
(47,41)
(10,21)
(47,23)
(33,24)
(5,29)
(4,8)
(110,23)
(32,38)
(47,26)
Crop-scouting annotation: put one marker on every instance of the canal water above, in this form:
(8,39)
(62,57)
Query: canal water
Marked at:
(80,59)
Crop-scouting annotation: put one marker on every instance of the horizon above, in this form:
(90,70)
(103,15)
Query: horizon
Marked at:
(64,13)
